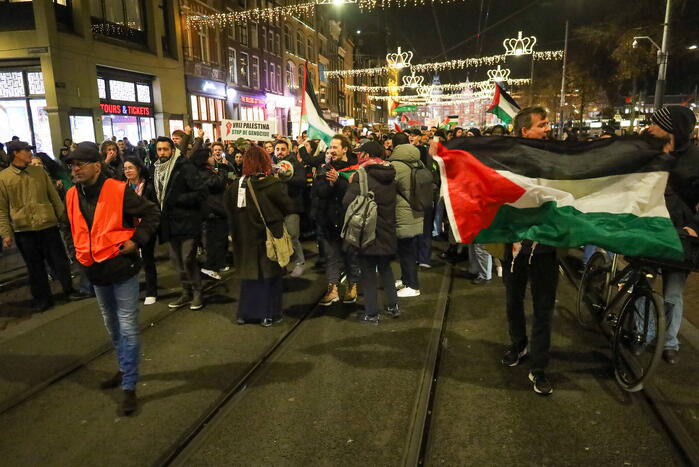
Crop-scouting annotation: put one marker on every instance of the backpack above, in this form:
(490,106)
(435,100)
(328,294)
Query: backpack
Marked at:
(421,187)
(359,228)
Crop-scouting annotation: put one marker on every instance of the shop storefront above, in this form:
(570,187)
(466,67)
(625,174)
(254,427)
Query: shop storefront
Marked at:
(278,108)
(23,108)
(207,100)
(126,100)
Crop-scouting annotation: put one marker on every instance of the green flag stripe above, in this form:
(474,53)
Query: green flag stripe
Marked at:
(567,227)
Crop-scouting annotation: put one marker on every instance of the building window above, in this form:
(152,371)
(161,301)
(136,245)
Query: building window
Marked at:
(232,67)
(309,49)
(278,46)
(271,42)
(243,69)
(290,81)
(244,33)
(101,88)
(299,44)
(143,93)
(120,19)
(122,91)
(231,29)
(272,78)
(265,74)
(202,39)
(23,109)
(288,45)
(280,90)
(255,72)
(254,35)
(264,42)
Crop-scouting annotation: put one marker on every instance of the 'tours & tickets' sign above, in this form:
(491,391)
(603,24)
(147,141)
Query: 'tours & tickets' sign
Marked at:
(254,130)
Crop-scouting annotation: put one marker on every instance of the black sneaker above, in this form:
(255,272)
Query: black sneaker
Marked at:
(542,385)
(513,357)
(393,311)
(365,318)
(130,402)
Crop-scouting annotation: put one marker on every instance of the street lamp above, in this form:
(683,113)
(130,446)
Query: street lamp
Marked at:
(662,56)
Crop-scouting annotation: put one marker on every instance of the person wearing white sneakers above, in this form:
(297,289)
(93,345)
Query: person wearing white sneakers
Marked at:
(409,222)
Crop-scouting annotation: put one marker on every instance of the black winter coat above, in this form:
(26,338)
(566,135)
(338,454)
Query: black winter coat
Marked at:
(215,183)
(183,206)
(330,213)
(247,229)
(382,183)
(296,185)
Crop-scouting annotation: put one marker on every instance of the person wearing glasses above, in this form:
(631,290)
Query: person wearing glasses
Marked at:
(109,223)
(30,209)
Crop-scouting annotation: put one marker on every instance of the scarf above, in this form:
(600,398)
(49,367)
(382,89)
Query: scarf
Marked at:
(163,171)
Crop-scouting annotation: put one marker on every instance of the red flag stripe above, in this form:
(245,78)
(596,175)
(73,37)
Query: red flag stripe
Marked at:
(473,193)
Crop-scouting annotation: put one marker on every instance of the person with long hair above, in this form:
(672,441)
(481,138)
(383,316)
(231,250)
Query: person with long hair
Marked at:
(138,178)
(261,279)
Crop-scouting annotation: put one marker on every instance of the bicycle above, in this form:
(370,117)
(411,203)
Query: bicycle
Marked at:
(638,326)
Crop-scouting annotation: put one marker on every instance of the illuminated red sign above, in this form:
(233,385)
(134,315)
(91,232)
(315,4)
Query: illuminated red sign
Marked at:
(126,109)
(252,100)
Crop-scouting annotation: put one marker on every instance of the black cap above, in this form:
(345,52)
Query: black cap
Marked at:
(372,148)
(86,151)
(16,145)
(415,132)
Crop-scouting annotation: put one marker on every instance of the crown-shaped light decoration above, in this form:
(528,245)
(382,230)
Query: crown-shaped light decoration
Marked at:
(399,60)
(499,74)
(519,45)
(424,90)
(413,81)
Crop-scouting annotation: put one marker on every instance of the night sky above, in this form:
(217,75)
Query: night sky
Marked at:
(416,28)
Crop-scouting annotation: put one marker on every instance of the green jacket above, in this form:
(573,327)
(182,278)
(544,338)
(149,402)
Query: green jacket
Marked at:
(408,221)
(28,201)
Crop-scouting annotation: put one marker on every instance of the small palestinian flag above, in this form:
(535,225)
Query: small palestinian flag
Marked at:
(311,113)
(503,106)
(608,193)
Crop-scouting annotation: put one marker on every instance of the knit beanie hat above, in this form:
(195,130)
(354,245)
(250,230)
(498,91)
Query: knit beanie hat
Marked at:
(678,120)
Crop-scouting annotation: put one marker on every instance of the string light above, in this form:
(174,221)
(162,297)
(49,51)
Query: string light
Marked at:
(225,20)
(457,64)
(480,85)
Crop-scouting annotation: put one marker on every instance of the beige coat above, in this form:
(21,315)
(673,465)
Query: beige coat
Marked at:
(28,201)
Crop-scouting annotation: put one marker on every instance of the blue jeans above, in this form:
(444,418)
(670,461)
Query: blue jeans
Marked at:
(673,302)
(480,262)
(119,306)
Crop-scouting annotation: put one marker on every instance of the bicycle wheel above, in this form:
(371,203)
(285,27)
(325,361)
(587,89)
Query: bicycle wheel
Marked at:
(593,290)
(639,337)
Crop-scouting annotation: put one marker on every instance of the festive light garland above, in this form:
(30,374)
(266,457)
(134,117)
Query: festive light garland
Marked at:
(224,20)
(486,84)
(457,64)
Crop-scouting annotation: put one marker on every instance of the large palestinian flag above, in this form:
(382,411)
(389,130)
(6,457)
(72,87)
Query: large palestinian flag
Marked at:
(311,113)
(503,106)
(608,193)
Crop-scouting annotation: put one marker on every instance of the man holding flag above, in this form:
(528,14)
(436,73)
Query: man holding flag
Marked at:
(535,263)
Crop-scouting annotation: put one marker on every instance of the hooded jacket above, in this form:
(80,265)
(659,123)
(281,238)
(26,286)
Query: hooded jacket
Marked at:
(684,176)
(408,221)
(381,183)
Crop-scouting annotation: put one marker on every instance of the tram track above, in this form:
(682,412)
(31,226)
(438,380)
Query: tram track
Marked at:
(85,360)
(652,397)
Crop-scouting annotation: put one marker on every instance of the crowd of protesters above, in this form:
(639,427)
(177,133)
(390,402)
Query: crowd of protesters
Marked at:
(216,205)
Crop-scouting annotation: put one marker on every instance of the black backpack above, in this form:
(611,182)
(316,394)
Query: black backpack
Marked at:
(421,187)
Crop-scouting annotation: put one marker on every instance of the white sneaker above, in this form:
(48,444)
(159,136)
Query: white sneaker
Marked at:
(399,284)
(150,300)
(297,271)
(226,269)
(408,292)
(211,274)
(425,265)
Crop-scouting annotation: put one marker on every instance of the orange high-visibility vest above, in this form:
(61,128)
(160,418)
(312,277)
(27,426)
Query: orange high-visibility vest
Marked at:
(108,233)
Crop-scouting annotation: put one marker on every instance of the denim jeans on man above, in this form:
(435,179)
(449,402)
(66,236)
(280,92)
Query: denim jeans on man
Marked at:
(480,262)
(119,306)
(293,226)
(673,299)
